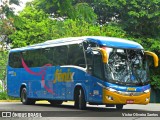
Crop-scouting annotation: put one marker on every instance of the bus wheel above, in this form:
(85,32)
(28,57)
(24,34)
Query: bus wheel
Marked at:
(80,100)
(119,107)
(55,102)
(24,99)
(76,99)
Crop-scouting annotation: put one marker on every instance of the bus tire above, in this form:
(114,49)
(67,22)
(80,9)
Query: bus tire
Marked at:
(80,99)
(119,106)
(55,102)
(76,103)
(24,99)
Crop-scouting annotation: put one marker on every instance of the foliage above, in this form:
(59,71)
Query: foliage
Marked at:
(137,17)
(66,9)
(6,21)
(6,29)
(32,26)
(58,29)
(83,11)
(4,96)
(58,8)
(6,10)
(3,63)
(155,81)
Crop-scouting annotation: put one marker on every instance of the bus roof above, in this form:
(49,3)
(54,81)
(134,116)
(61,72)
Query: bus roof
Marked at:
(102,41)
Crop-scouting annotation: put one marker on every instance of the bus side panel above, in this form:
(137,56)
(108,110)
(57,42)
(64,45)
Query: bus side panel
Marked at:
(63,83)
(39,82)
(95,89)
(78,77)
(49,84)
(65,79)
(13,81)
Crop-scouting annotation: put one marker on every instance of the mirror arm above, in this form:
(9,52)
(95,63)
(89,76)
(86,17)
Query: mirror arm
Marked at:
(155,57)
(104,55)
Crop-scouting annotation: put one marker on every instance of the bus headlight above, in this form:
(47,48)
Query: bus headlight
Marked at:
(146,91)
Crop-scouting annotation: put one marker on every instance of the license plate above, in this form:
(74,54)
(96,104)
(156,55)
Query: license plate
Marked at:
(130,101)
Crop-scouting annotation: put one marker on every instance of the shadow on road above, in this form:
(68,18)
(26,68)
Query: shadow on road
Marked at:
(71,111)
(65,110)
(89,108)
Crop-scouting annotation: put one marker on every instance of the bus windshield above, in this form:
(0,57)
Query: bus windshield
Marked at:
(126,66)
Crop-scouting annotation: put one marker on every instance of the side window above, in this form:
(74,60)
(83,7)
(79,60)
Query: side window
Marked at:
(32,57)
(60,55)
(88,52)
(76,55)
(97,68)
(15,60)
(46,56)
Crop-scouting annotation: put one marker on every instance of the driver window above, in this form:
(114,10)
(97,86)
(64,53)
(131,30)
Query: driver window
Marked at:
(97,68)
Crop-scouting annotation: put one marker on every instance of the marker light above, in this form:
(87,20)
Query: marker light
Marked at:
(111,89)
(146,91)
(147,99)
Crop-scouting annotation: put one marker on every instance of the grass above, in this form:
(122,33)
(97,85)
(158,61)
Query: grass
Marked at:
(4,96)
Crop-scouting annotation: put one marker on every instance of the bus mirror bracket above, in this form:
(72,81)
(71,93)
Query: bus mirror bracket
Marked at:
(155,57)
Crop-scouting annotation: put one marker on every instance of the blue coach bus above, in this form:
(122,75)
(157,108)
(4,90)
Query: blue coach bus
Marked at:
(88,70)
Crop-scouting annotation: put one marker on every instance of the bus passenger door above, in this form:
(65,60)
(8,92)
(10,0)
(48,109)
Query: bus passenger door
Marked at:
(95,77)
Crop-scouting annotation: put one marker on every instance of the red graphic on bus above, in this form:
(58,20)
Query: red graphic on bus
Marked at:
(42,73)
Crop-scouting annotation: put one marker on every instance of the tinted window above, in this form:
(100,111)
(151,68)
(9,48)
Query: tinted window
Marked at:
(15,60)
(97,69)
(39,57)
(47,56)
(60,55)
(32,57)
(76,55)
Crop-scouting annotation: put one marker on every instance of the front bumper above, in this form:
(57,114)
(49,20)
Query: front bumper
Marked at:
(115,98)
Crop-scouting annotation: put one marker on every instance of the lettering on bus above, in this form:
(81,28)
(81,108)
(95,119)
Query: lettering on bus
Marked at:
(63,76)
(131,89)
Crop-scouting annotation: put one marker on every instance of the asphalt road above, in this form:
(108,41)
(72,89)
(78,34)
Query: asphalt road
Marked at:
(43,110)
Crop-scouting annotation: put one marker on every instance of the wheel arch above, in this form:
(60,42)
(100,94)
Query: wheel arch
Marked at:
(76,88)
(23,85)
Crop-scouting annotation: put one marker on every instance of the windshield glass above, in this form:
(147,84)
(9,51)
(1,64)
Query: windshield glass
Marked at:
(126,66)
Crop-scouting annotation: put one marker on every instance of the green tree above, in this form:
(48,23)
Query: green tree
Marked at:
(32,26)
(57,8)
(3,63)
(67,9)
(138,17)
(6,20)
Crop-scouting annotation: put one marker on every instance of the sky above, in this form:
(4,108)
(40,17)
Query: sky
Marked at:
(22,5)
